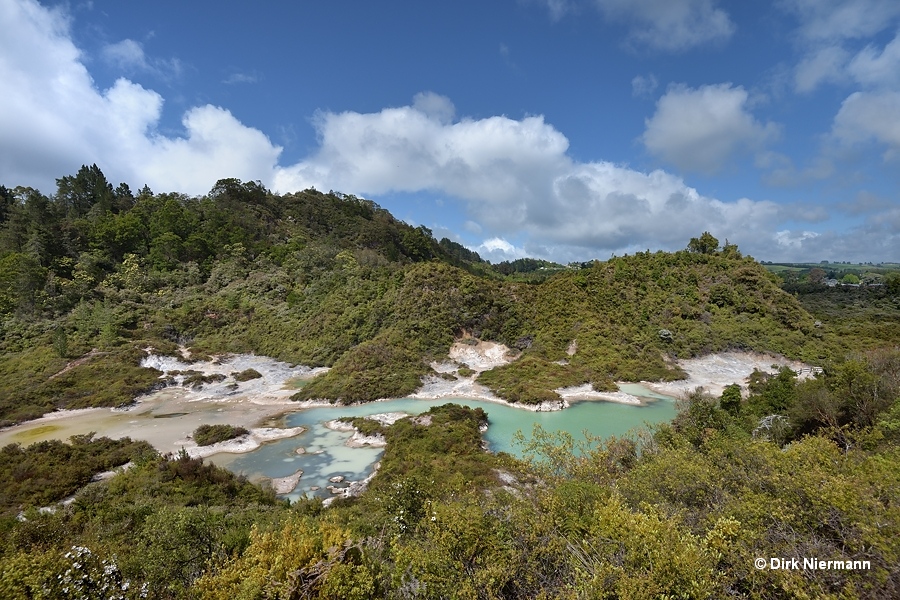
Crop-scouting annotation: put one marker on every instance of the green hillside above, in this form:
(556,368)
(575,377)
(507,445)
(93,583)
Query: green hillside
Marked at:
(630,315)
(93,275)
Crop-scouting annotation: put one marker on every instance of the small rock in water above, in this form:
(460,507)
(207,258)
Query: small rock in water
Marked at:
(314,488)
(286,485)
(300,450)
(336,479)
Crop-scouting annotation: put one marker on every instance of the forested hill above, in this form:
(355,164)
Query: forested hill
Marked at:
(93,274)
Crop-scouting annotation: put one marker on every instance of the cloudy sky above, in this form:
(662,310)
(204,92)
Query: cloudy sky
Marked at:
(563,129)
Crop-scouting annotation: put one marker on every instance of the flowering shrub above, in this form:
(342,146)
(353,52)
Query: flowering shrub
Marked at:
(91,578)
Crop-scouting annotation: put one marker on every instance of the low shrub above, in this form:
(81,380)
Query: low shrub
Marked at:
(247,375)
(207,435)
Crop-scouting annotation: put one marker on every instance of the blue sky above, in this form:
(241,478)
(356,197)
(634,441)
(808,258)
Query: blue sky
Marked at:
(563,129)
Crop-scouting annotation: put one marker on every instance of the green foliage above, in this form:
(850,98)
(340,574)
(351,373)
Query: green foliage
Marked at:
(532,379)
(730,400)
(49,471)
(157,527)
(36,381)
(87,190)
(858,318)
(892,283)
(705,244)
(715,506)
(699,416)
(427,448)
(207,435)
(671,514)
(614,312)
(303,558)
(31,575)
(89,577)
(61,343)
(772,393)
(848,396)
(247,375)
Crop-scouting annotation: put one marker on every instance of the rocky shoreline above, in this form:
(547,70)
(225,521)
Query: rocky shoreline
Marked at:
(359,439)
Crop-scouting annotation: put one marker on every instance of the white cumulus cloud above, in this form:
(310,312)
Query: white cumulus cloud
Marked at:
(701,129)
(870,116)
(498,250)
(515,176)
(56,119)
(408,149)
(830,33)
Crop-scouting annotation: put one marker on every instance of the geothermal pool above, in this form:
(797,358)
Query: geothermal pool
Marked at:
(326,455)
(166,419)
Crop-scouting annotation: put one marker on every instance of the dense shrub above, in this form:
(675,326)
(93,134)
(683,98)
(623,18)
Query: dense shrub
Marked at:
(207,435)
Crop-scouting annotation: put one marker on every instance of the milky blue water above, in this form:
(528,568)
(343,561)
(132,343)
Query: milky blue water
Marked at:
(327,456)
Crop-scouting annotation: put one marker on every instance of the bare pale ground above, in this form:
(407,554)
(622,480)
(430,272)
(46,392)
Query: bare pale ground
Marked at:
(479,357)
(586,392)
(286,485)
(166,418)
(245,443)
(714,372)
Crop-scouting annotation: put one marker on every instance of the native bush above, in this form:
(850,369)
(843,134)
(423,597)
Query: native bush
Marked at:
(207,435)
